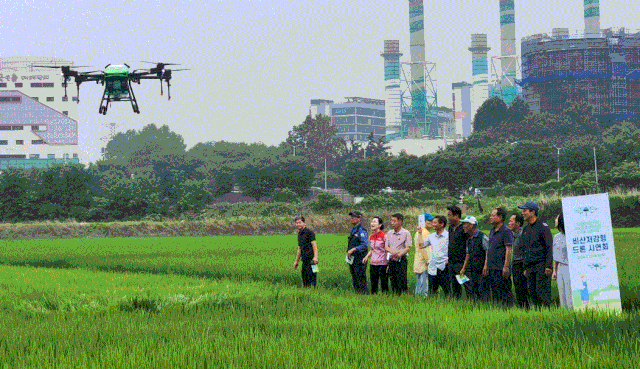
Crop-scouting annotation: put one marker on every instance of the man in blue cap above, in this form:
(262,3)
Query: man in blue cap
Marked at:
(537,254)
(357,247)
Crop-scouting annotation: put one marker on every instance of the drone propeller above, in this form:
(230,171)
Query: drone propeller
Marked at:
(158,63)
(63,66)
(177,70)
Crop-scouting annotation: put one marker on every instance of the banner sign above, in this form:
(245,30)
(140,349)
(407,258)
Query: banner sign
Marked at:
(592,257)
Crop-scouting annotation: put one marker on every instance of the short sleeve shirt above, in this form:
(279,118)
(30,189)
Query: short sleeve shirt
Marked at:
(378,255)
(560,249)
(498,242)
(305,237)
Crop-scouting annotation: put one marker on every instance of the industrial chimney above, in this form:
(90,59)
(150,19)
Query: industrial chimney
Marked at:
(416,47)
(479,71)
(392,102)
(592,17)
(508,41)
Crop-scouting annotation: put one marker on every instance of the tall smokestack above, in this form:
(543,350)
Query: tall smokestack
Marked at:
(508,40)
(416,39)
(392,103)
(479,71)
(592,17)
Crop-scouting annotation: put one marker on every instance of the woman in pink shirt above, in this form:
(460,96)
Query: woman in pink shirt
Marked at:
(378,269)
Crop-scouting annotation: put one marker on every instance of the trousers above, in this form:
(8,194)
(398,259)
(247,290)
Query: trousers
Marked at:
(520,284)
(308,276)
(564,286)
(378,273)
(358,273)
(398,275)
(539,285)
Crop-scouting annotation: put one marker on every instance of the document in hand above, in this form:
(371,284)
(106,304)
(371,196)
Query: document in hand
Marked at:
(314,268)
(349,259)
(462,280)
(421,221)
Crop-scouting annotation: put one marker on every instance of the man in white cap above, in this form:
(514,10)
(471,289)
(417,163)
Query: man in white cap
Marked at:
(475,261)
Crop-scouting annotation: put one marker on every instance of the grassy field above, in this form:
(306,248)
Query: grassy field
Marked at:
(234,302)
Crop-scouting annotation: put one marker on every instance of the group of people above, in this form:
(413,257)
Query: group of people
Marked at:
(519,251)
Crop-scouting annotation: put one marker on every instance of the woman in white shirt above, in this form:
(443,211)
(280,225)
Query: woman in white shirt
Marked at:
(561,265)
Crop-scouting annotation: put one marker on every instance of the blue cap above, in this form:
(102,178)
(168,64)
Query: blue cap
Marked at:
(529,205)
(428,216)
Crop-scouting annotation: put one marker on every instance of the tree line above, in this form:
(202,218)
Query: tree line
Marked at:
(150,172)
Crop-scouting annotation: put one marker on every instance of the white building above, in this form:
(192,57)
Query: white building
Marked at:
(38,125)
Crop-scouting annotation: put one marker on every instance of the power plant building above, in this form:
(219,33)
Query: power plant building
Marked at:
(461,97)
(38,124)
(358,117)
(602,69)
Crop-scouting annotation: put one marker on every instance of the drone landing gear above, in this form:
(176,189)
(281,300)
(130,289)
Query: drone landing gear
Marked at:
(134,103)
(104,103)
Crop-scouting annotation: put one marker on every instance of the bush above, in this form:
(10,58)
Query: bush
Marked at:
(284,195)
(326,201)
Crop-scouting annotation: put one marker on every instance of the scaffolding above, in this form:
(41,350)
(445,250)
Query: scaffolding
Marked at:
(418,102)
(502,85)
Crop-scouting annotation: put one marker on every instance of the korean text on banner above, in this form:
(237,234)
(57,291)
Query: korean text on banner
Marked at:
(592,257)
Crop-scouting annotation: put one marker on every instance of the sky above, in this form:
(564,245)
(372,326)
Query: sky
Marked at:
(255,65)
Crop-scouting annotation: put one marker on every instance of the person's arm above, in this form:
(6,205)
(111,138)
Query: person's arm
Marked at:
(364,240)
(419,239)
(464,266)
(407,244)
(548,244)
(554,275)
(506,269)
(295,263)
(315,251)
(485,246)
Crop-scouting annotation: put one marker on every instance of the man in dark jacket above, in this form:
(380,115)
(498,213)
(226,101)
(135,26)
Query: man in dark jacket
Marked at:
(457,247)
(357,248)
(537,254)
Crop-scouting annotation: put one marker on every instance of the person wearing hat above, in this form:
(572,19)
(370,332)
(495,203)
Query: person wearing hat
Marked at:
(422,257)
(538,255)
(357,247)
(475,260)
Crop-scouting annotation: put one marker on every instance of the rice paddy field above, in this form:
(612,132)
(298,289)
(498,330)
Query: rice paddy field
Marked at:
(235,302)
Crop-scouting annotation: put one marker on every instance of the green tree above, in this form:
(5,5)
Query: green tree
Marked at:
(375,147)
(151,140)
(15,196)
(408,173)
(316,139)
(257,178)
(622,141)
(490,114)
(63,191)
(294,173)
(517,112)
(365,176)
(193,196)
(223,183)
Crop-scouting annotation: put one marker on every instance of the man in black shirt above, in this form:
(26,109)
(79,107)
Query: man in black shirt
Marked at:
(457,248)
(307,251)
(537,254)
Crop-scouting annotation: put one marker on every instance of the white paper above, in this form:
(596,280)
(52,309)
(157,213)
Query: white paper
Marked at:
(314,268)
(348,259)
(421,221)
(463,279)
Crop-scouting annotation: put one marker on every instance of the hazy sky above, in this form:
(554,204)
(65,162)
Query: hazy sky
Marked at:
(256,64)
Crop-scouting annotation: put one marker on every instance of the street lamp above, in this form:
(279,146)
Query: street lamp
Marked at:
(558,161)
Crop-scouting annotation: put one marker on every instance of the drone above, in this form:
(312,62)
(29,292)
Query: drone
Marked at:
(596,266)
(117,79)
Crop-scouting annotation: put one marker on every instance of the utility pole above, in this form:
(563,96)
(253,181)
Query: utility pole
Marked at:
(595,163)
(558,161)
(325,174)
